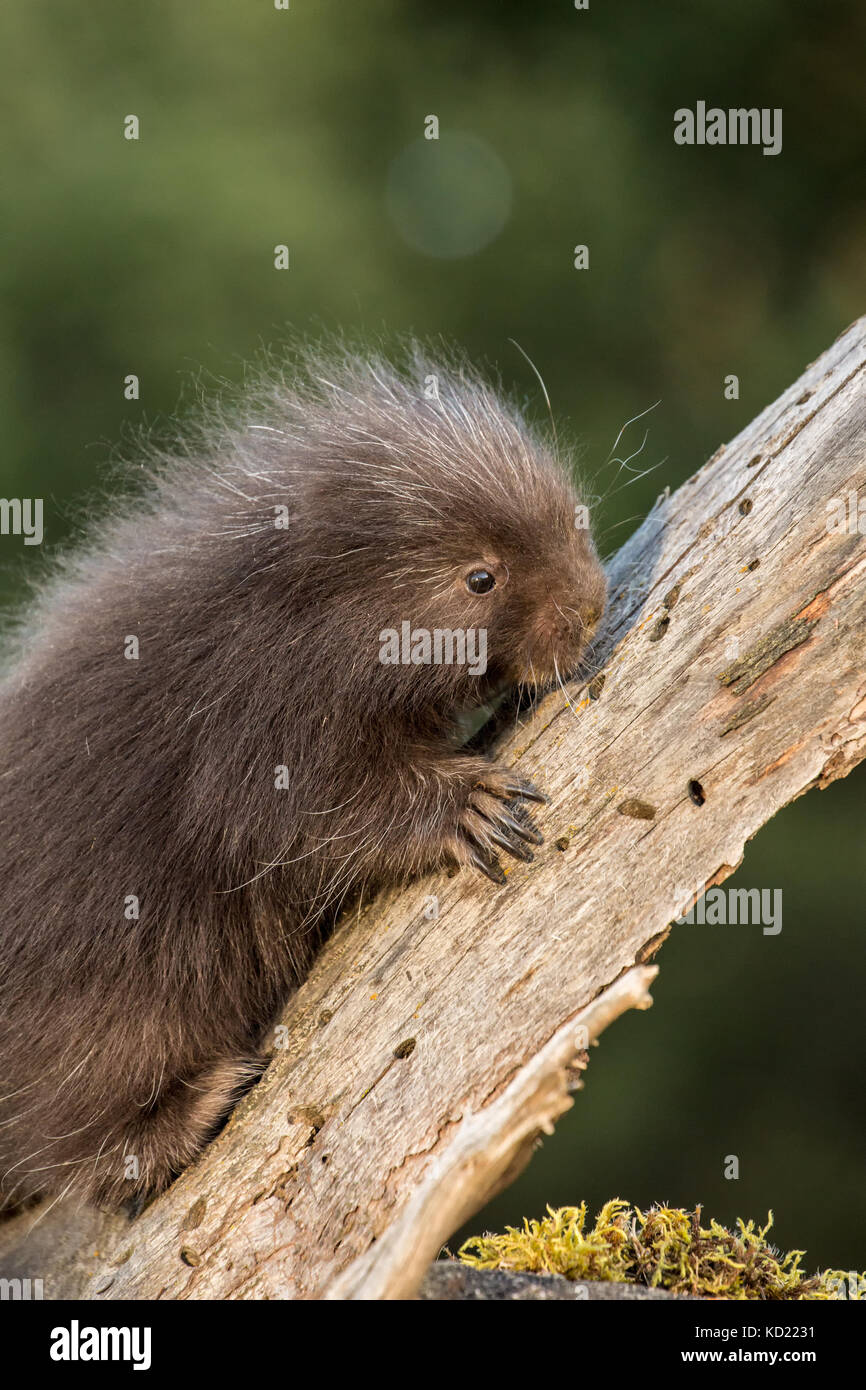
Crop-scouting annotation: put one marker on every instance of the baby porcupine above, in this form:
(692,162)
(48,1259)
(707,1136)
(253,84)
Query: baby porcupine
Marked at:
(204,751)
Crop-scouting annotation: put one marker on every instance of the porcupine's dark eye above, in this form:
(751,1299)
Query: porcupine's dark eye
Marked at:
(480,582)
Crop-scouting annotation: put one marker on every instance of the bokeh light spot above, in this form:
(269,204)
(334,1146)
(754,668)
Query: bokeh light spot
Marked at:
(449,197)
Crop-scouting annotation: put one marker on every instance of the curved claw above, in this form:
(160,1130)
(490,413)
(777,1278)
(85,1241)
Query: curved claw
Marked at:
(525,829)
(515,786)
(490,868)
(511,846)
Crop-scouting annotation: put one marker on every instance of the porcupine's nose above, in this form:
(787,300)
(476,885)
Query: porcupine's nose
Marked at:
(590,616)
(573,630)
(562,638)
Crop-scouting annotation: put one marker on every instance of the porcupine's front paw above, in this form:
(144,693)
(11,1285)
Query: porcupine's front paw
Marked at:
(495,819)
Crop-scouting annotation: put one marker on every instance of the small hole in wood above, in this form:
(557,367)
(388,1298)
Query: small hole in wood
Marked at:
(697,793)
(746,506)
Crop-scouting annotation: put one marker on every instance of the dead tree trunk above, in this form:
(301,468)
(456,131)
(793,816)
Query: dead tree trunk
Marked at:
(442,1030)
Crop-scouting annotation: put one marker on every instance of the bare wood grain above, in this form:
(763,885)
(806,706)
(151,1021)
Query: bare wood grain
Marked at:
(425,1053)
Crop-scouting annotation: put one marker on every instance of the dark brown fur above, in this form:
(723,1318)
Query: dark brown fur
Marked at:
(259,648)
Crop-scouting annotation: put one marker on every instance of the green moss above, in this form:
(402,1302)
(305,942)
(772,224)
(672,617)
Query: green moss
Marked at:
(665,1247)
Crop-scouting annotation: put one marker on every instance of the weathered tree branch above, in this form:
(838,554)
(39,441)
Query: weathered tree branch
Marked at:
(426,1053)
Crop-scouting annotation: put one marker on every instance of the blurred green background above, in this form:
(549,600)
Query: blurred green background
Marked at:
(304,127)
